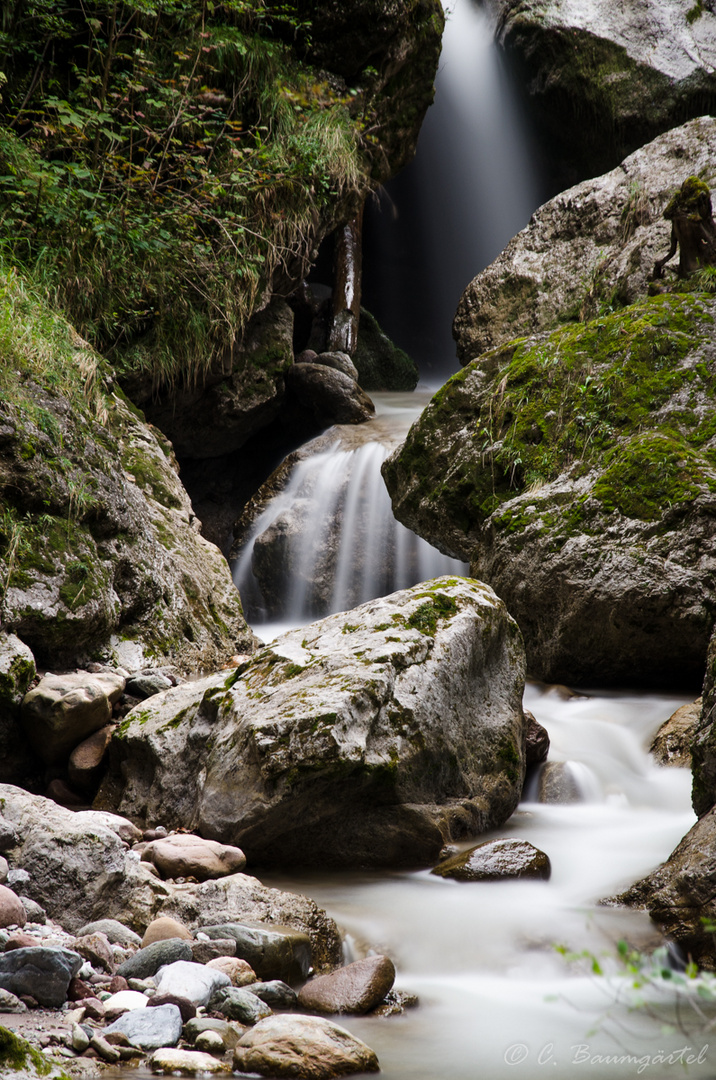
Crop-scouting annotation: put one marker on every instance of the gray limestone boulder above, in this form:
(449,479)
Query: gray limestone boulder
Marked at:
(496,860)
(591,248)
(310,1046)
(63,710)
(368,738)
(574,468)
(149,1029)
(185,855)
(195,982)
(603,78)
(703,746)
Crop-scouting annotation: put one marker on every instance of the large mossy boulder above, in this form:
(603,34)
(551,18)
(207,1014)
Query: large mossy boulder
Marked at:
(101,556)
(368,738)
(589,250)
(381,364)
(576,469)
(603,78)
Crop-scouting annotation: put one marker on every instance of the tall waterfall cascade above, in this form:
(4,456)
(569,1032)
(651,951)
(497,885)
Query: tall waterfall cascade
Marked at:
(472,186)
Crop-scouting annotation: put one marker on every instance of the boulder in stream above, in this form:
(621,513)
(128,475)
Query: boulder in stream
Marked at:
(307,1046)
(496,860)
(368,738)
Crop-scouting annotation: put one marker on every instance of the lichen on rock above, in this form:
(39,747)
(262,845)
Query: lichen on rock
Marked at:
(367,738)
(576,470)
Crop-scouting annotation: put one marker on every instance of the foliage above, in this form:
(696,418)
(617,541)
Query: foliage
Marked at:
(677,996)
(161,163)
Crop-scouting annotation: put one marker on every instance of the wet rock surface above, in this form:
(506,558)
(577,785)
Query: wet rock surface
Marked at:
(364,739)
(497,860)
(672,742)
(356,988)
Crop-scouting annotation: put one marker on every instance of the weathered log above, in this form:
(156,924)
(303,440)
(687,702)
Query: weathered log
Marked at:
(692,228)
(343,335)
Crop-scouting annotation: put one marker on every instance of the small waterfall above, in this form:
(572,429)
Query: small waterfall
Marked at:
(472,186)
(328,541)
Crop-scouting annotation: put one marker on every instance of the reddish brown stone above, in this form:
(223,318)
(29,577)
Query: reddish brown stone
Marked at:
(356,988)
(21,941)
(12,913)
(78,990)
(117,983)
(186,1008)
(86,764)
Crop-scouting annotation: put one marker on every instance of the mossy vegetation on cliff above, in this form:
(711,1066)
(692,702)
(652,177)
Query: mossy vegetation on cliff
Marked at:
(585,396)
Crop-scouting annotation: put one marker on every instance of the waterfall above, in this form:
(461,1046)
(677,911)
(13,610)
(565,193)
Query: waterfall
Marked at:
(472,186)
(328,541)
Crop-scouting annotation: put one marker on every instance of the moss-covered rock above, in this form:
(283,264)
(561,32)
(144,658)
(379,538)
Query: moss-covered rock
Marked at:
(19,1060)
(589,251)
(100,553)
(602,79)
(366,739)
(577,470)
(381,364)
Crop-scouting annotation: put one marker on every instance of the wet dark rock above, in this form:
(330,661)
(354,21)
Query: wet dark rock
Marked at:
(328,396)
(536,742)
(148,961)
(340,361)
(186,1007)
(275,993)
(274,952)
(237,1003)
(497,860)
(557,784)
(43,973)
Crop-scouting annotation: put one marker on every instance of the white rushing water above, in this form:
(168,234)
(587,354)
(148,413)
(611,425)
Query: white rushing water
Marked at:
(333,530)
(497,998)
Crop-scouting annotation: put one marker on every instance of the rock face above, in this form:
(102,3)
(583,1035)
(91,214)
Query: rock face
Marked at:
(306,1046)
(497,860)
(575,470)
(107,560)
(368,738)
(589,249)
(679,895)
(78,869)
(17,670)
(603,78)
(703,747)
(241,396)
